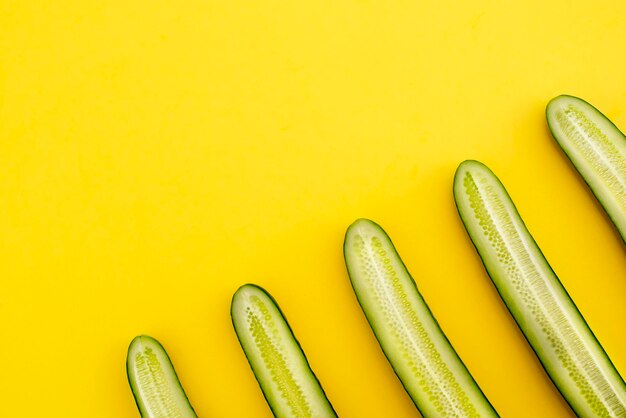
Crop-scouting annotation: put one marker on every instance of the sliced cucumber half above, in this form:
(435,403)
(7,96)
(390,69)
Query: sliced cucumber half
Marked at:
(597,149)
(428,367)
(549,319)
(153,381)
(279,364)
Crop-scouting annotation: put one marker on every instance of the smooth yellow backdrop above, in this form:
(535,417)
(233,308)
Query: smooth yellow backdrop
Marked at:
(156,155)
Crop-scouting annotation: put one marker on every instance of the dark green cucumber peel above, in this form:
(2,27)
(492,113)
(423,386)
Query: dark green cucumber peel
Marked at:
(423,359)
(275,356)
(596,148)
(547,316)
(153,381)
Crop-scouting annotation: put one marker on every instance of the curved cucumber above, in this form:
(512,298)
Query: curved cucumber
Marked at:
(153,381)
(279,365)
(420,354)
(545,313)
(596,148)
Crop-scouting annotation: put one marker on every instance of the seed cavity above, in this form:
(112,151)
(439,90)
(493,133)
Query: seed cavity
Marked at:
(598,152)
(271,347)
(536,300)
(377,267)
(154,385)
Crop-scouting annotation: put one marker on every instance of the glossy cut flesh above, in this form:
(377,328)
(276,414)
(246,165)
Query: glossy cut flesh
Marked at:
(153,381)
(596,148)
(420,354)
(545,313)
(279,364)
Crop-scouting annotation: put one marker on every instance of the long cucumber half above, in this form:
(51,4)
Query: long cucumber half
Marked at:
(549,319)
(153,381)
(597,149)
(428,367)
(279,365)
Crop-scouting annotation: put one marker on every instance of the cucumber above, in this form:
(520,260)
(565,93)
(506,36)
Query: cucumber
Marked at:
(549,319)
(423,359)
(596,148)
(279,364)
(153,381)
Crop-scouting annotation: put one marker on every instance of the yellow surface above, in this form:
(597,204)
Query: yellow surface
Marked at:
(156,155)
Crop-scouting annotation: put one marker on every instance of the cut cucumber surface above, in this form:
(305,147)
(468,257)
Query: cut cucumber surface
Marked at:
(596,148)
(428,367)
(543,310)
(153,381)
(279,365)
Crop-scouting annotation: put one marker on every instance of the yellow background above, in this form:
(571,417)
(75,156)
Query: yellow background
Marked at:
(156,155)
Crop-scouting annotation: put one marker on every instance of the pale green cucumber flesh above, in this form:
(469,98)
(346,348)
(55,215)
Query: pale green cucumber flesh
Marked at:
(549,319)
(422,357)
(153,381)
(596,148)
(276,358)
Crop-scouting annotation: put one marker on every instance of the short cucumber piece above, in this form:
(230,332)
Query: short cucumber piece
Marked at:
(596,148)
(279,365)
(153,381)
(549,319)
(428,367)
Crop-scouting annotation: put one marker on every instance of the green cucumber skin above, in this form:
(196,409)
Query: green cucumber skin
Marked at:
(302,372)
(532,330)
(615,206)
(146,409)
(462,380)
